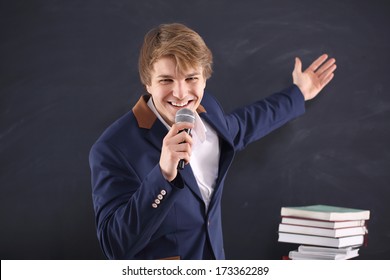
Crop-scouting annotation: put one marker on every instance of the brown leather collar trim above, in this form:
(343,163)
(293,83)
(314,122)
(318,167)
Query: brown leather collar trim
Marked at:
(145,117)
(201,109)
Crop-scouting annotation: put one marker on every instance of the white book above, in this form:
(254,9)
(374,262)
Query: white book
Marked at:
(340,242)
(296,255)
(341,232)
(323,224)
(320,250)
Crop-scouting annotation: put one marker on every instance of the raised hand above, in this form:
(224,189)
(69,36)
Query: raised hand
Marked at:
(315,77)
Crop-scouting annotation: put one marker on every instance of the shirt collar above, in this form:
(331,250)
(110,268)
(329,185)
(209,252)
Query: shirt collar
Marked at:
(199,127)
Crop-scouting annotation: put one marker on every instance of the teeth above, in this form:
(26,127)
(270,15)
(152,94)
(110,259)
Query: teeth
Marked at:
(179,104)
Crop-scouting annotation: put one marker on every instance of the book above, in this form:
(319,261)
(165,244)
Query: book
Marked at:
(297,255)
(321,223)
(326,212)
(323,253)
(356,240)
(326,250)
(341,232)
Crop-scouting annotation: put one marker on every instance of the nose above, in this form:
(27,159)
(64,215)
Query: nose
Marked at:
(180,90)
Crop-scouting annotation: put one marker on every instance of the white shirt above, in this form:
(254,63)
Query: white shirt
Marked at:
(205,154)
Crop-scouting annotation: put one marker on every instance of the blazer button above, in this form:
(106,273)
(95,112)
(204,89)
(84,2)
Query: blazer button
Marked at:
(154,205)
(157,201)
(160,196)
(163,192)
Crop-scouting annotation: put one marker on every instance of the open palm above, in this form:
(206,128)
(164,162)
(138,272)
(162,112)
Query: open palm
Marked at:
(315,77)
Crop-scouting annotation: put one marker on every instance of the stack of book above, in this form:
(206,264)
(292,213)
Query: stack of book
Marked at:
(324,232)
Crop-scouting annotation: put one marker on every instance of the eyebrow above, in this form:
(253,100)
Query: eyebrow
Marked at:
(193,74)
(164,76)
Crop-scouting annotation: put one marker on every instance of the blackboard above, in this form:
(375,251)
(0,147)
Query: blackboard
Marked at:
(69,69)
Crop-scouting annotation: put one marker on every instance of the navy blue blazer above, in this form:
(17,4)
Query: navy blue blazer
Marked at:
(140,215)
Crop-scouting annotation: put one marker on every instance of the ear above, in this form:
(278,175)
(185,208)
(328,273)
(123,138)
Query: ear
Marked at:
(148,89)
(205,82)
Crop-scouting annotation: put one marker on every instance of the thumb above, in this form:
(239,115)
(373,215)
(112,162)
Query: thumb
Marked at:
(298,65)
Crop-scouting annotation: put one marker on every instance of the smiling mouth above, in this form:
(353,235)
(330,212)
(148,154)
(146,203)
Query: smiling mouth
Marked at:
(180,104)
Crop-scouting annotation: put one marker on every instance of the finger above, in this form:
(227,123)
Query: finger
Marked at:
(184,156)
(326,80)
(171,141)
(328,72)
(183,152)
(298,65)
(177,127)
(313,67)
(174,151)
(183,137)
(182,147)
(329,64)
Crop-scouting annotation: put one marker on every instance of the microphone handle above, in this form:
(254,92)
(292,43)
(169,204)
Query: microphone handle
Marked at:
(181,164)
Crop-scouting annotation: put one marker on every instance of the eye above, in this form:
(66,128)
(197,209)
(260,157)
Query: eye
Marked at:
(192,79)
(165,81)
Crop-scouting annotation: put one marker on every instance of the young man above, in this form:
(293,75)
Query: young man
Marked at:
(145,207)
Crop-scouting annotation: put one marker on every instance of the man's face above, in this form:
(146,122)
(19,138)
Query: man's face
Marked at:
(172,91)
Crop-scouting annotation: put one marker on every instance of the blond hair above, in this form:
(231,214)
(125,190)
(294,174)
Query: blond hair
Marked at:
(178,41)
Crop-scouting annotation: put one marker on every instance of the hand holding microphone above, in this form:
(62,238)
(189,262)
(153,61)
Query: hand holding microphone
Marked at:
(184,116)
(177,144)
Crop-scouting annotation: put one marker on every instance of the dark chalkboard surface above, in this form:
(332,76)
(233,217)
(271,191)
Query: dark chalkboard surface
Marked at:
(69,68)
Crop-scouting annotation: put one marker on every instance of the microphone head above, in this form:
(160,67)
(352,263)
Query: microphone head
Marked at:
(185,115)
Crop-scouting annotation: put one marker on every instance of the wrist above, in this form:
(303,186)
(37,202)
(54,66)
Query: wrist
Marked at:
(168,175)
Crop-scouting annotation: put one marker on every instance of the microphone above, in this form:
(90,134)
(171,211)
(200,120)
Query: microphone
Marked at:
(184,115)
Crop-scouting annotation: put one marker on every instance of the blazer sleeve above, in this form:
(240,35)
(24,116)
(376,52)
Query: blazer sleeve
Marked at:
(125,217)
(250,123)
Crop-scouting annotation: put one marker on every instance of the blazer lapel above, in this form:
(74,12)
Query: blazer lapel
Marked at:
(154,130)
